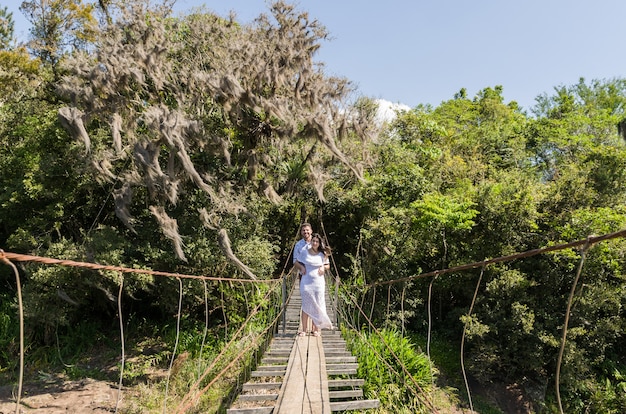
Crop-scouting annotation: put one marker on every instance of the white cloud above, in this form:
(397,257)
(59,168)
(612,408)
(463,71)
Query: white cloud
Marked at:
(387,110)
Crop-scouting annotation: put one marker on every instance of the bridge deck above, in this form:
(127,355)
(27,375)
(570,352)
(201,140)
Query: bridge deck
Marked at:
(305,387)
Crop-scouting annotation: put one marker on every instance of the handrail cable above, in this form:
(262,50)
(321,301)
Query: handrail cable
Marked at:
(196,384)
(169,369)
(193,399)
(430,321)
(404,369)
(207,370)
(95,266)
(123,358)
(206,323)
(591,240)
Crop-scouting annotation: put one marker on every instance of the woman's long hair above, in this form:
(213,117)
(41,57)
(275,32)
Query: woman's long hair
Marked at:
(324,247)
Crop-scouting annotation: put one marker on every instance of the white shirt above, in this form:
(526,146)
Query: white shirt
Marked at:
(300,247)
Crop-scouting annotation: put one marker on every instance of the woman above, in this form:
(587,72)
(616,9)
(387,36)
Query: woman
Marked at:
(312,264)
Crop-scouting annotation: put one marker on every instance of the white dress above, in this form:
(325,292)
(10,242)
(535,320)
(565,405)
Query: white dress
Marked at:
(313,288)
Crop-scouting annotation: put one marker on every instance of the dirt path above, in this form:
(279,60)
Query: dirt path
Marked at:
(85,396)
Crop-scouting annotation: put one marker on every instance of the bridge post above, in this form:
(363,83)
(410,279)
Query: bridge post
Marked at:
(284,304)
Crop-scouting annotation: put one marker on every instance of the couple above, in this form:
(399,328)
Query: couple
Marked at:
(310,257)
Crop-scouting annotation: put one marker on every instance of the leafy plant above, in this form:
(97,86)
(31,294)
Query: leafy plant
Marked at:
(395,371)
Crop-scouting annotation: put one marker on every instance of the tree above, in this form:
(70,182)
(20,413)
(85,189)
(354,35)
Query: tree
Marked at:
(205,103)
(58,27)
(6,28)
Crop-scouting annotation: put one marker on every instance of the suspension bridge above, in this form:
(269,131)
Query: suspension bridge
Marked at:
(303,374)
(292,374)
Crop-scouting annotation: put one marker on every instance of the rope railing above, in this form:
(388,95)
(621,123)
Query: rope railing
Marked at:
(21,319)
(194,392)
(591,240)
(95,266)
(413,385)
(468,316)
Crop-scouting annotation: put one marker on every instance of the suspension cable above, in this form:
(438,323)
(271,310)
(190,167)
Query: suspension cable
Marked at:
(178,317)
(21,317)
(424,400)
(123,359)
(189,400)
(196,384)
(469,313)
(565,324)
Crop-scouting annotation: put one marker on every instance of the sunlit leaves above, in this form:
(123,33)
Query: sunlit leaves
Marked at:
(59,27)
(435,211)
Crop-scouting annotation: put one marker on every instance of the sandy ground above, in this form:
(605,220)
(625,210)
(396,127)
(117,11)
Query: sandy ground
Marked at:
(85,396)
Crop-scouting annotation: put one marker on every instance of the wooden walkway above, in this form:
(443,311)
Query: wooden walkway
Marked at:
(312,375)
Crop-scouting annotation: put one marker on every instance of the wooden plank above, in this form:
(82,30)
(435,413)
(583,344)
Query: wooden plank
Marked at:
(281,360)
(331,371)
(354,405)
(282,353)
(339,359)
(335,346)
(349,382)
(331,353)
(259,374)
(256,410)
(281,348)
(257,397)
(317,379)
(335,395)
(346,366)
(262,368)
(286,342)
(293,382)
(249,386)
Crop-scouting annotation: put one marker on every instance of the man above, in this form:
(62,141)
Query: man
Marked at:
(306,231)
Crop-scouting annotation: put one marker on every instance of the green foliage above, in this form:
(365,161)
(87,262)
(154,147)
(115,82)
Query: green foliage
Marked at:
(7,27)
(9,333)
(260,255)
(435,211)
(58,25)
(395,371)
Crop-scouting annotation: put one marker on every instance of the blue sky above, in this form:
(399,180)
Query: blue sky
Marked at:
(424,51)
